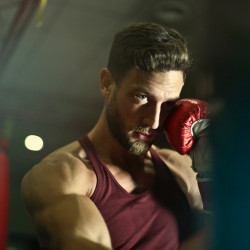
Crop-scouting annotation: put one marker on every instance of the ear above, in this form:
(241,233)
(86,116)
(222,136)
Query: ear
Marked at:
(107,83)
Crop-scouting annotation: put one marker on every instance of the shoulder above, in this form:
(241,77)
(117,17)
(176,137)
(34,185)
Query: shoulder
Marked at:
(55,194)
(173,158)
(180,167)
(66,163)
(64,171)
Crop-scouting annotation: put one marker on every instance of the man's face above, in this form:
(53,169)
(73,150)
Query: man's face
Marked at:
(139,106)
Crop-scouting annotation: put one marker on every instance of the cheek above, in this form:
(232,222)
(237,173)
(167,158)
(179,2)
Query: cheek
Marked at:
(125,105)
(129,112)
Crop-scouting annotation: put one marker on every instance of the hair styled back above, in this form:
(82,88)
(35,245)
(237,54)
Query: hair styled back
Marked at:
(148,47)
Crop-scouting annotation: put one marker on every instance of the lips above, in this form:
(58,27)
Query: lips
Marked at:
(145,136)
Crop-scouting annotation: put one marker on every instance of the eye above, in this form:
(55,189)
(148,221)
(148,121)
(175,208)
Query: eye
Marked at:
(141,97)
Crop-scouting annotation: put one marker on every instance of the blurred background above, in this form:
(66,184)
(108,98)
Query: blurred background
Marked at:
(51,53)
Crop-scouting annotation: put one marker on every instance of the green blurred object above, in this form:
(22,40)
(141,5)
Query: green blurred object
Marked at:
(22,242)
(8,127)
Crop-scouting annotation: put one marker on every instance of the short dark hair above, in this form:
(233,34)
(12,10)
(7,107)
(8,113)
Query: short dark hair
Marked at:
(149,47)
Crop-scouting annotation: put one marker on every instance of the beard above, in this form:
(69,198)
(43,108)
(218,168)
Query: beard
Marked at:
(118,129)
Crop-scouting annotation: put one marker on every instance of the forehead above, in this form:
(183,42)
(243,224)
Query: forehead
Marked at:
(155,83)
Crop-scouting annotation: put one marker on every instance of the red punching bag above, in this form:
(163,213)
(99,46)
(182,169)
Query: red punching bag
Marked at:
(4,193)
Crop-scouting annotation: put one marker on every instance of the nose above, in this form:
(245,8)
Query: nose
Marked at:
(152,117)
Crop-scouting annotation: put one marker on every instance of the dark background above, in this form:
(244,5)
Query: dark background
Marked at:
(49,86)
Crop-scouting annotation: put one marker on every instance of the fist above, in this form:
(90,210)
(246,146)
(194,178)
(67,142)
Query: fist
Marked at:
(183,122)
(186,130)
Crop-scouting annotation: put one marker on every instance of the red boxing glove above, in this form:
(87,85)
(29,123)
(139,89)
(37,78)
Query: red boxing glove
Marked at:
(182,121)
(4,193)
(187,132)
(186,129)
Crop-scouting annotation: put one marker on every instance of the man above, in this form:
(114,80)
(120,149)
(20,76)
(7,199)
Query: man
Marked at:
(112,188)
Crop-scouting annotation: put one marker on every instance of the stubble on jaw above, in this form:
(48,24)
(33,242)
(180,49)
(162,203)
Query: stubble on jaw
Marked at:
(118,130)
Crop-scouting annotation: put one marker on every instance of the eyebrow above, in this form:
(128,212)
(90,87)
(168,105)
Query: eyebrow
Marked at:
(143,89)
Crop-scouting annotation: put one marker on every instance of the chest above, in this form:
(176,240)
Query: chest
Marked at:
(134,178)
(134,216)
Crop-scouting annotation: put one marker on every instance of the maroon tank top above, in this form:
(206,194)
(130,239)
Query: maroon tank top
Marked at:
(155,219)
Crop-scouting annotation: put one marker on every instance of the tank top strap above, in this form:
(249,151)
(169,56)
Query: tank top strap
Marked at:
(162,170)
(157,161)
(87,146)
(163,174)
(92,154)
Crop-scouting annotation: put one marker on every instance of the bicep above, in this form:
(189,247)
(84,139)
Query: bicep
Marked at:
(59,210)
(70,218)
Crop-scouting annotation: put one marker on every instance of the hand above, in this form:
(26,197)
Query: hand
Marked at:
(187,131)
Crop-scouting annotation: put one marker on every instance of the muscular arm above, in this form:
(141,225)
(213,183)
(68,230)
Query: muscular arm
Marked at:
(55,195)
(200,226)
(180,167)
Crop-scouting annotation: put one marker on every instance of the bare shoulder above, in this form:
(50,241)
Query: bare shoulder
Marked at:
(173,158)
(64,171)
(55,193)
(180,167)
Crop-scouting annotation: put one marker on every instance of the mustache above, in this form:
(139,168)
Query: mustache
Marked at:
(147,130)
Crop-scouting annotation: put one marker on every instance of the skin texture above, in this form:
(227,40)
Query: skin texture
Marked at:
(57,191)
(145,100)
